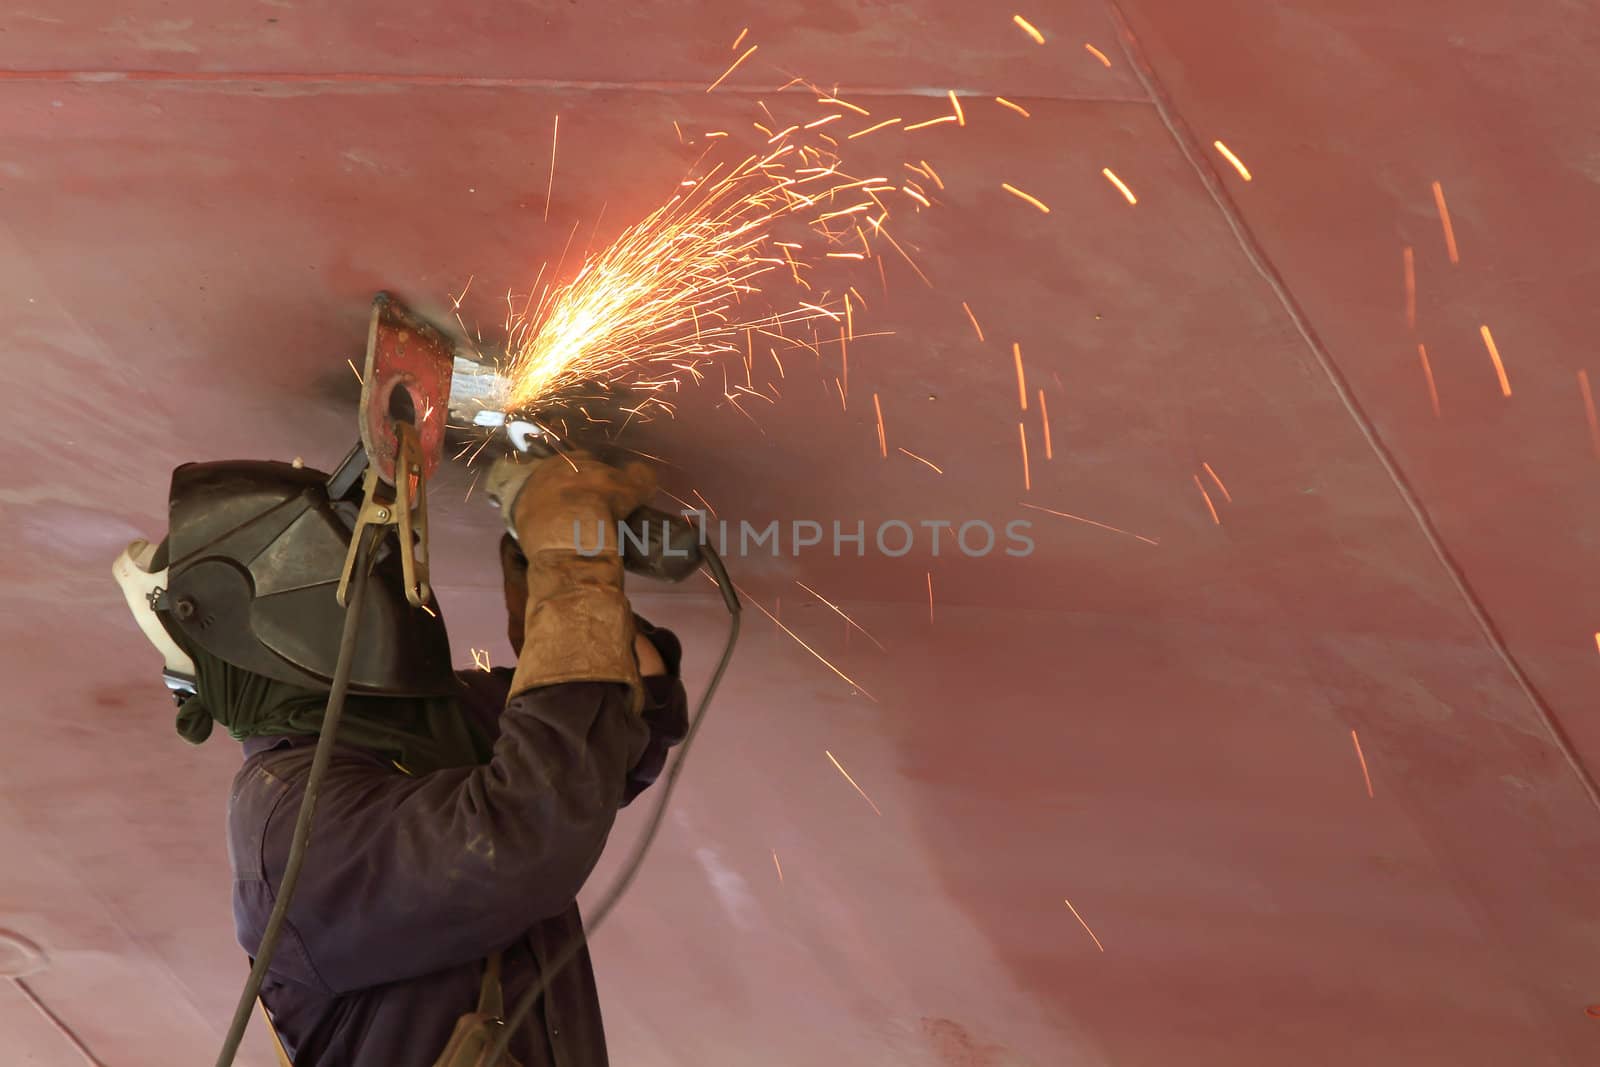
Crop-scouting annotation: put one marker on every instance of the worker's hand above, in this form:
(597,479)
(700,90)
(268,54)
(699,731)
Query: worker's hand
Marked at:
(514,574)
(505,479)
(648,657)
(563,512)
(567,501)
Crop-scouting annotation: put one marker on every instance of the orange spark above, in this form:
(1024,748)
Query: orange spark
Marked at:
(837,611)
(817,655)
(679,499)
(730,70)
(1244,171)
(955,102)
(1226,496)
(1085,925)
(1588,410)
(1028,28)
(778,865)
(928,167)
(1018,108)
(1093,51)
(869,129)
(1427,371)
(844,359)
(1209,505)
(883,446)
(1090,522)
(1444,221)
(1120,184)
(1044,417)
(668,292)
(480,658)
(824,120)
(555,130)
(844,103)
(1022,381)
(971,317)
(734,47)
(854,209)
(909,261)
(930,122)
(1410,260)
(1022,436)
(1494,354)
(1019,194)
(1363,760)
(919,459)
(913,194)
(851,780)
(930,598)
(355,371)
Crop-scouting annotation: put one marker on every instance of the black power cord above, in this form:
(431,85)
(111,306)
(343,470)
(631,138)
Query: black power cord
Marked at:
(574,945)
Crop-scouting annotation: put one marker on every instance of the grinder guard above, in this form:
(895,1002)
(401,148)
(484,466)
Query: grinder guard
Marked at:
(256,550)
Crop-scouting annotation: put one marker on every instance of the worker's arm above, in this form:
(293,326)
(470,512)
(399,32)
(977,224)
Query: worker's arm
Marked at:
(405,876)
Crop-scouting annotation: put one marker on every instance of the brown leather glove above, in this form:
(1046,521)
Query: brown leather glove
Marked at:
(514,578)
(564,513)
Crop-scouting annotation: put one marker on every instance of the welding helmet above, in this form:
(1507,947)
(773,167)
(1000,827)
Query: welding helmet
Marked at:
(248,573)
(142,582)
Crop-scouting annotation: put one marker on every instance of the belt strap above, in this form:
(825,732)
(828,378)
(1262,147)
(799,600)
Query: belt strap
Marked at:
(277,1042)
(491,1002)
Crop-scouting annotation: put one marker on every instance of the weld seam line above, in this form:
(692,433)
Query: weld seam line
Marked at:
(1188,145)
(334,78)
(58,1023)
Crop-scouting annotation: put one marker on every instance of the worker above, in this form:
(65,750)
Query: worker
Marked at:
(458,820)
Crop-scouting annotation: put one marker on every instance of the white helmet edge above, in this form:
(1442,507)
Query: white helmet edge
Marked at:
(132,572)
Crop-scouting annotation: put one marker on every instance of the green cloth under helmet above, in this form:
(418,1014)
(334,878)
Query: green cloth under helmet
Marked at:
(421,734)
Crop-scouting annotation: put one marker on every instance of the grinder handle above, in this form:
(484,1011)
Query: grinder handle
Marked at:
(670,545)
(655,543)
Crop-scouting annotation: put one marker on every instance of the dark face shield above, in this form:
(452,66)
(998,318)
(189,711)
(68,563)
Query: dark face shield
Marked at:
(254,555)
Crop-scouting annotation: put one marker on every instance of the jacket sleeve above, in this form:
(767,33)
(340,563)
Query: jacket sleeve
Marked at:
(405,876)
(666,711)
